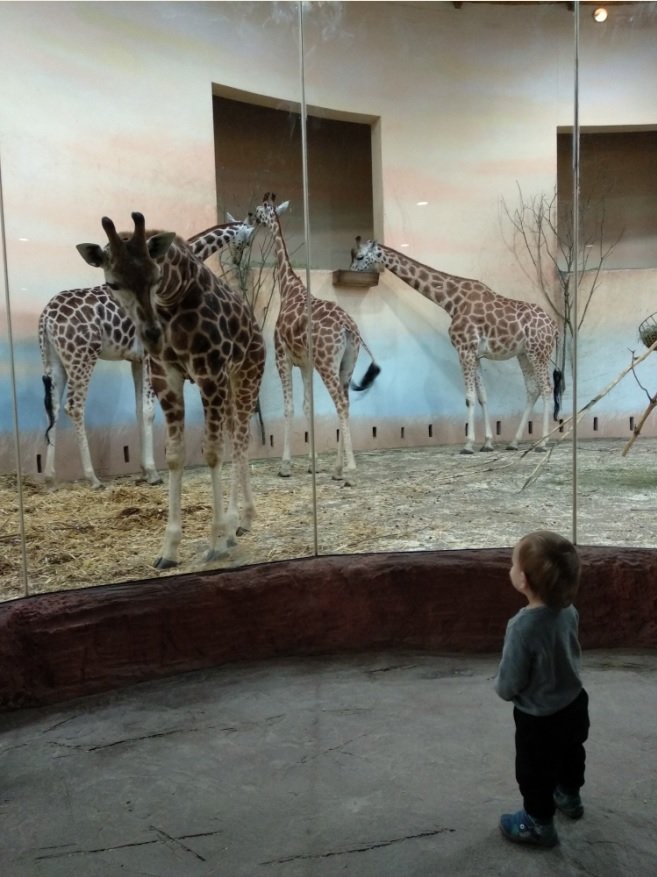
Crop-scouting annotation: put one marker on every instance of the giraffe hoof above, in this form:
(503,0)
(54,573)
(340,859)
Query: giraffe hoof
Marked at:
(241,531)
(165,563)
(466,451)
(540,449)
(283,474)
(214,554)
(486,448)
(512,447)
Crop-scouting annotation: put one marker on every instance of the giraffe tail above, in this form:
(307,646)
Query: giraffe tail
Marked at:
(47,383)
(368,378)
(559,385)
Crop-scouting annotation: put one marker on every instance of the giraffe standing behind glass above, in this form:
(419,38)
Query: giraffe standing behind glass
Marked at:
(77,327)
(484,325)
(336,342)
(193,326)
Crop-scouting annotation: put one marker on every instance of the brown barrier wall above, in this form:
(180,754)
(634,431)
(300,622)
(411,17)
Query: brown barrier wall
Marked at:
(64,645)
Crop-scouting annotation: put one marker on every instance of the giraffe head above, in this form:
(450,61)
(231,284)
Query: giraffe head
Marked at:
(268,212)
(366,256)
(244,232)
(132,265)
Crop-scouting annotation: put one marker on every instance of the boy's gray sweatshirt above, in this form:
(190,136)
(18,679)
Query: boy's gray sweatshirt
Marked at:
(540,665)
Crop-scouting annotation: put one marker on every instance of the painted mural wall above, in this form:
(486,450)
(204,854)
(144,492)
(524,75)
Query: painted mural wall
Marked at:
(106,108)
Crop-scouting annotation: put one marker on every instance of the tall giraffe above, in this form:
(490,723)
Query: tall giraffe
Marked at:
(77,327)
(336,342)
(193,326)
(484,325)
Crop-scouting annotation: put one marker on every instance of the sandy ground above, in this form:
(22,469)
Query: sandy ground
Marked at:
(423,498)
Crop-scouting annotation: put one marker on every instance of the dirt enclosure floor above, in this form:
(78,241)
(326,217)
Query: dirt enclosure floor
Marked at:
(417,499)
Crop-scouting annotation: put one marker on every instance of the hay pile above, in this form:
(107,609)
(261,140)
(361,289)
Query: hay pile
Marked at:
(415,499)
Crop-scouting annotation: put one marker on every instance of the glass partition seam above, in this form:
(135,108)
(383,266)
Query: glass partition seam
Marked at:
(575,171)
(14,400)
(306,232)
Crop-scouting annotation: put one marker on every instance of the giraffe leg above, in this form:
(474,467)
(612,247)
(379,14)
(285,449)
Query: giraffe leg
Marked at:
(217,406)
(543,379)
(241,480)
(145,409)
(345,447)
(284,366)
(224,526)
(246,387)
(78,386)
(170,393)
(483,401)
(468,366)
(307,377)
(531,388)
(340,399)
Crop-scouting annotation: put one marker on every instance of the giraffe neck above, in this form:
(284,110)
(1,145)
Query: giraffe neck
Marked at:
(446,290)
(288,280)
(182,270)
(207,243)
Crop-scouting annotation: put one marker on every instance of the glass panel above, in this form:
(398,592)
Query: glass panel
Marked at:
(617,305)
(464,102)
(107,108)
(12,490)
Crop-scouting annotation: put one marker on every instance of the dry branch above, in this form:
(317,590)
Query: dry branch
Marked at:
(572,420)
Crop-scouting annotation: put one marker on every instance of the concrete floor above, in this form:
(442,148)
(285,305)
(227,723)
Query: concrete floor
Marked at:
(383,765)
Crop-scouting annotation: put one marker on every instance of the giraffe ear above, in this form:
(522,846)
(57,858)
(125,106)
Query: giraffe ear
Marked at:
(91,253)
(159,243)
(230,217)
(282,207)
(358,240)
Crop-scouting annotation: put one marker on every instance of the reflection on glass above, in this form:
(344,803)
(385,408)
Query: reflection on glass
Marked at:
(618,274)
(133,131)
(12,533)
(458,308)
(441,131)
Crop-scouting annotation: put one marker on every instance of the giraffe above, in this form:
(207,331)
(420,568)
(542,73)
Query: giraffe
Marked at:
(336,342)
(193,326)
(483,325)
(77,327)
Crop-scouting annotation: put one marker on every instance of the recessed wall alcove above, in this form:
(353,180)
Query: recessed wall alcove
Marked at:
(67,644)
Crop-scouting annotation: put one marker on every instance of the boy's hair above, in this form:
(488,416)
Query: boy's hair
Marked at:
(552,567)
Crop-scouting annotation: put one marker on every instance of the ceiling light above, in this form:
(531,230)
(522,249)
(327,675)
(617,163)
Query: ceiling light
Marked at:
(401,246)
(422,203)
(600,14)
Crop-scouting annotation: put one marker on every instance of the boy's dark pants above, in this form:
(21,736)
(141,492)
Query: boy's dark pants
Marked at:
(549,753)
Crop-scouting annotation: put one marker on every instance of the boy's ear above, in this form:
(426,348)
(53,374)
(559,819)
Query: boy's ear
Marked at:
(523,581)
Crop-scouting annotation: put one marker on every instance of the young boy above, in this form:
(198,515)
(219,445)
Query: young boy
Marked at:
(539,672)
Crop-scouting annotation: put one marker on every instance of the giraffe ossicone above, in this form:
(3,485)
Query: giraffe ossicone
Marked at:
(78,327)
(333,337)
(193,326)
(483,325)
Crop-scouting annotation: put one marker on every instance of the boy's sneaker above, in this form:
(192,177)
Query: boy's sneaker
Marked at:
(521,828)
(568,803)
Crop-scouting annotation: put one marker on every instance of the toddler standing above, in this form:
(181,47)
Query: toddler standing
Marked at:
(540,672)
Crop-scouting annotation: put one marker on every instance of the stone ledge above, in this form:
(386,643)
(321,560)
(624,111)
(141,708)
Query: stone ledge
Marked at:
(58,646)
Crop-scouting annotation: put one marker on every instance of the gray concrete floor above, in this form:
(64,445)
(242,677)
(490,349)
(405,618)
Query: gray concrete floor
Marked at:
(384,765)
